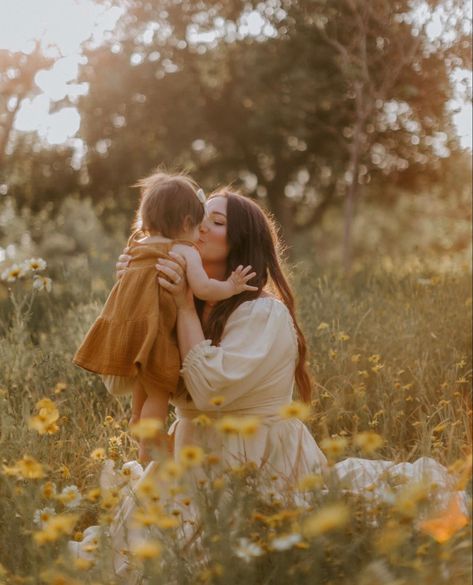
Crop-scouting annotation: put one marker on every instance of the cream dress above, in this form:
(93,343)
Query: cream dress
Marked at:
(252,373)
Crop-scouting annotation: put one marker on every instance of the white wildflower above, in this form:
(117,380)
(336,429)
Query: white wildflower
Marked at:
(70,496)
(132,471)
(34,265)
(247,550)
(13,273)
(285,542)
(42,283)
(42,516)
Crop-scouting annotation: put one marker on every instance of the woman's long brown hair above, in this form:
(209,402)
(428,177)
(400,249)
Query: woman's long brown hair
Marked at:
(252,240)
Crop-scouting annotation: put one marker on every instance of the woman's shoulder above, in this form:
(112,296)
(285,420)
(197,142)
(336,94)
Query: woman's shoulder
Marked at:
(265,316)
(265,306)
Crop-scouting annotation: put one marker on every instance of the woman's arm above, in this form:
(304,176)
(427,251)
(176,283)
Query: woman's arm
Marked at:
(189,328)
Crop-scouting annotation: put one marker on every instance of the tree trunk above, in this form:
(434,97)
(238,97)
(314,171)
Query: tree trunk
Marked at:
(283,211)
(350,204)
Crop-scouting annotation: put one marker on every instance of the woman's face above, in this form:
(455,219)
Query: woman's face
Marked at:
(212,243)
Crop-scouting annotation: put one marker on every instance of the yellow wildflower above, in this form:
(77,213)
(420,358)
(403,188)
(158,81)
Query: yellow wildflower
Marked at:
(60,387)
(409,498)
(170,470)
(147,517)
(311,481)
(342,336)
(82,564)
(56,527)
(331,517)
(93,495)
(323,326)
(29,468)
(146,550)
(374,359)
(65,472)
(202,420)
(377,368)
(217,400)
(355,358)
(98,454)
(48,490)
(228,425)
(296,409)
(249,425)
(147,488)
(334,447)
(146,428)
(368,441)
(191,455)
(167,522)
(44,422)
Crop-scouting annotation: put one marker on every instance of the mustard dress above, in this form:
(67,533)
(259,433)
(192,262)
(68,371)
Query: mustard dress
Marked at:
(135,334)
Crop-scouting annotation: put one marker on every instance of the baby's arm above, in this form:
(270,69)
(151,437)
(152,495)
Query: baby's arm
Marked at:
(210,289)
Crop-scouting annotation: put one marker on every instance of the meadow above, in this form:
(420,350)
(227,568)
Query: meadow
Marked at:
(391,361)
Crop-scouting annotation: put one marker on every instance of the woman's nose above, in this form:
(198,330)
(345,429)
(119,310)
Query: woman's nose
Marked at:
(204,226)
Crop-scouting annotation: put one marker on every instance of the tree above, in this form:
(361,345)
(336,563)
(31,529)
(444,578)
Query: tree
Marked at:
(327,96)
(17,82)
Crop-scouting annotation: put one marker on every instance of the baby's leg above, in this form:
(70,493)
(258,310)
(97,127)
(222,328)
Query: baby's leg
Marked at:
(138,398)
(155,406)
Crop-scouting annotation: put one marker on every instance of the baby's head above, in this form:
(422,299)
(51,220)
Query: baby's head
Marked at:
(170,205)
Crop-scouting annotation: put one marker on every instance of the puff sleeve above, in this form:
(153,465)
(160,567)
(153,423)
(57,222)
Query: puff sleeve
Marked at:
(258,342)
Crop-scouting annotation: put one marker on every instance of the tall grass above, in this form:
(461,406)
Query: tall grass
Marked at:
(389,354)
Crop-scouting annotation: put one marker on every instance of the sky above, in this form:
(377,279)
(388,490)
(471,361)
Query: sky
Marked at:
(62,25)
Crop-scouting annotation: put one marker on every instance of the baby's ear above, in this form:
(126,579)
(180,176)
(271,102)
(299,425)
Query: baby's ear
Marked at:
(188,223)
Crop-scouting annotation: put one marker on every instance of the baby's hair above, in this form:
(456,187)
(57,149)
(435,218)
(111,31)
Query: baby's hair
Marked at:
(166,201)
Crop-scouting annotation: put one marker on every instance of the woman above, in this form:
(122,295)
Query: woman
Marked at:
(240,357)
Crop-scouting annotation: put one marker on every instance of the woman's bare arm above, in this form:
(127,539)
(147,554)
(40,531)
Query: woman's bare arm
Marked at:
(189,328)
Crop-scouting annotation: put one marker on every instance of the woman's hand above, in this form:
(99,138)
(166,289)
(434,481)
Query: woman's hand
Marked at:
(122,264)
(173,279)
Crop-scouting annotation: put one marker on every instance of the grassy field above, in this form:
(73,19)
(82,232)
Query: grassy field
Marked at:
(390,356)
(391,360)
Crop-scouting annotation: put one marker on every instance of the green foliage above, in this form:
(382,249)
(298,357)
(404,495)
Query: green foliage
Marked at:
(278,113)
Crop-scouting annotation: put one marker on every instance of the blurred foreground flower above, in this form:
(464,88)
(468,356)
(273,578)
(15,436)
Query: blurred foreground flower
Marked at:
(25,468)
(368,441)
(334,447)
(329,518)
(191,455)
(285,542)
(248,550)
(34,265)
(56,527)
(147,549)
(442,527)
(295,409)
(146,428)
(45,421)
(70,496)
(42,283)
(42,516)
(13,273)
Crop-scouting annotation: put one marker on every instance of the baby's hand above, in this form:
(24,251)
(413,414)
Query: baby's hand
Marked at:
(240,277)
